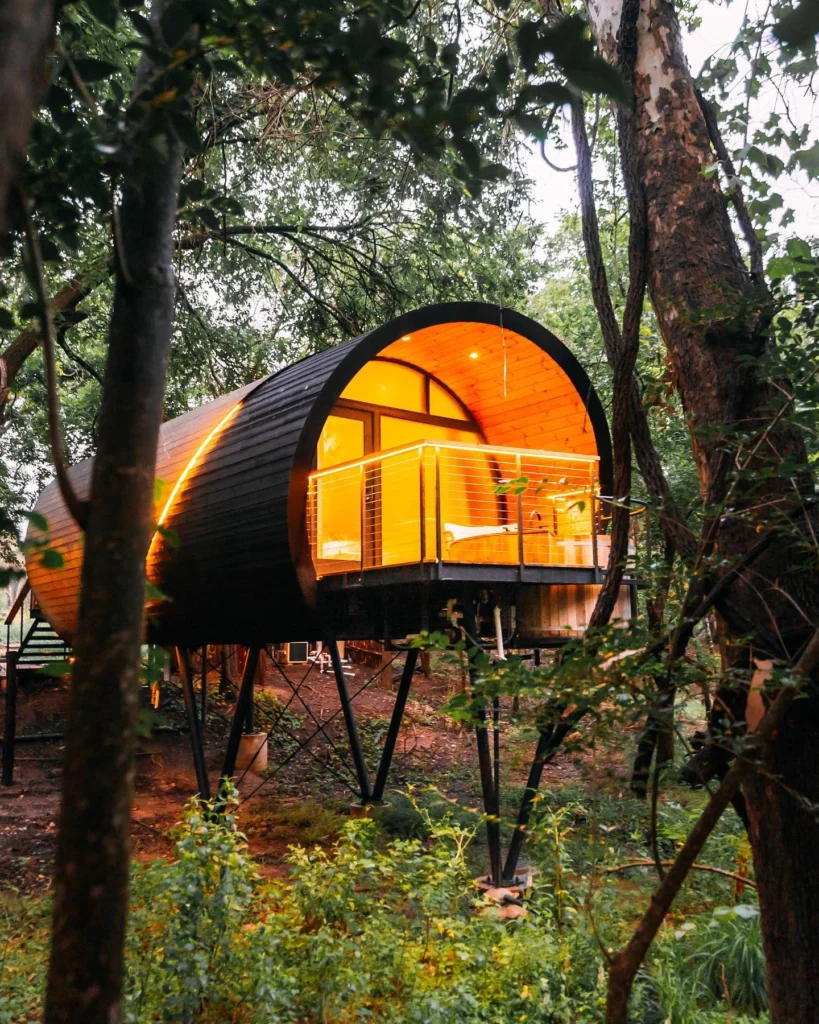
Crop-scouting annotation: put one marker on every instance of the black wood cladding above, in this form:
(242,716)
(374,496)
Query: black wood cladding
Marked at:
(232,579)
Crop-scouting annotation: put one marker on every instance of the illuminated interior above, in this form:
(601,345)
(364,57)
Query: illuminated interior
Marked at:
(404,472)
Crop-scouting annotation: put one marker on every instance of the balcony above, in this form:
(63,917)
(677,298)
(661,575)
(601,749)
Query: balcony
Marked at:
(447,504)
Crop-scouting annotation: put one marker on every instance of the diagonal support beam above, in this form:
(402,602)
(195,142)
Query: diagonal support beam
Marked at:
(349,721)
(244,704)
(186,677)
(395,725)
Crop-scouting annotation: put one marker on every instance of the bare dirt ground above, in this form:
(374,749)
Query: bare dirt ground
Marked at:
(430,750)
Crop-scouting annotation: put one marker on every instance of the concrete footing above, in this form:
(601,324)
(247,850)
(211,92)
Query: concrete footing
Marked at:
(248,758)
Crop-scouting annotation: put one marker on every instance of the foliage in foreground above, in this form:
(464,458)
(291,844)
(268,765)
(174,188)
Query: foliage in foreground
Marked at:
(367,931)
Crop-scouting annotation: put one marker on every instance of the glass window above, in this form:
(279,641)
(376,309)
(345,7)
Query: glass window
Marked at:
(396,432)
(390,384)
(342,440)
(442,403)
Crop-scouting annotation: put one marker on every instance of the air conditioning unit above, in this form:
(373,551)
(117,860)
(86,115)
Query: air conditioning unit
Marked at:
(297,653)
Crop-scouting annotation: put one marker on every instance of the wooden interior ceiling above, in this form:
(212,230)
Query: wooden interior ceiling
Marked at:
(516,391)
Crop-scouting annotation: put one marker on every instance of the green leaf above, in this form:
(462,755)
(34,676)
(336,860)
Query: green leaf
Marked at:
(808,160)
(780,267)
(92,70)
(175,22)
(7,321)
(146,720)
(37,520)
(531,124)
(799,26)
(171,537)
(105,11)
(52,559)
(797,247)
(186,131)
(56,669)
(153,593)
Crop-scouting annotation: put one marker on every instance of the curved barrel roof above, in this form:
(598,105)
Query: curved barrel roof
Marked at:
(234,472)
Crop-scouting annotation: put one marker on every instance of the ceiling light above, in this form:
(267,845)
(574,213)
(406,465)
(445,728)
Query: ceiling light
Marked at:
(406,337)
(473,355)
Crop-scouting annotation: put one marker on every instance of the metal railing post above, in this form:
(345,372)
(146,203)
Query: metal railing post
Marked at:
(521,557)
(422,505)
(439,544)
(363,525)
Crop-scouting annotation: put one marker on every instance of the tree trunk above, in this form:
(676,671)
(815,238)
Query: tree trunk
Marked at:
(712,318)
(26,31)
(90,897)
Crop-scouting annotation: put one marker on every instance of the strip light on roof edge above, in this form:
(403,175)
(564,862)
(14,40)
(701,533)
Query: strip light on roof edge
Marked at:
(197,455)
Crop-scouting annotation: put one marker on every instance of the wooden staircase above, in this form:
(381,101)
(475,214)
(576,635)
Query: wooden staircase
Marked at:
(41,646)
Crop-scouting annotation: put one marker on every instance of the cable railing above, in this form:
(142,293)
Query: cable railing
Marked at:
(457,503)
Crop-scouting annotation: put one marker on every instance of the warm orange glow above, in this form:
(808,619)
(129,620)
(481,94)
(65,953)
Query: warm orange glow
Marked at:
(440,498)
(197,455)
(473,355)
(455,446)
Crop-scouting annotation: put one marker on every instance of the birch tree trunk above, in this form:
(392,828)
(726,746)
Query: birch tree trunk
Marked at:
(712,316)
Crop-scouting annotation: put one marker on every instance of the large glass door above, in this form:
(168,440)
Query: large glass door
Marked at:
(346,437)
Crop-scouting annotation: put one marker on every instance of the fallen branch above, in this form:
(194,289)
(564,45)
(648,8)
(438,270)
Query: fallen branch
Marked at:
(668,863)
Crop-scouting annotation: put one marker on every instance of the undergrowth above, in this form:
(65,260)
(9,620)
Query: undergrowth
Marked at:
(390,930)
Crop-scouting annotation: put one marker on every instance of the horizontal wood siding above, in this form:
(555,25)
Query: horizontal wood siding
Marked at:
(233,579)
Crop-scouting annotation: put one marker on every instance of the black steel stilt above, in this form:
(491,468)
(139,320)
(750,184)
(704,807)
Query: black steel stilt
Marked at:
(186,677)
(542,752)
(349,721)
(203,695)
(488,771)
(10,724)
(490,802)
(395,725)
(244,702)
(496,744)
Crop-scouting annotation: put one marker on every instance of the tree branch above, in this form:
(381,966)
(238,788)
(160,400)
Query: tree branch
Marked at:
(77,358)
(736,196)
(77,508)
(196,239)
(64,302)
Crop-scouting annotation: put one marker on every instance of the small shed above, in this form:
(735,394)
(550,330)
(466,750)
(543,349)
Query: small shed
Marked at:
(458,448)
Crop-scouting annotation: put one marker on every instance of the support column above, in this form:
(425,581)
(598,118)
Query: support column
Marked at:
(244,705)
(349,721)
(186,678)
(543,752)
(490,774)
(395,725)
(203,695)
(10,725)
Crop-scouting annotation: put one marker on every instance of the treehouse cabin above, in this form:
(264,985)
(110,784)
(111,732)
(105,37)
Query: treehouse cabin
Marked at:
(364,491)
